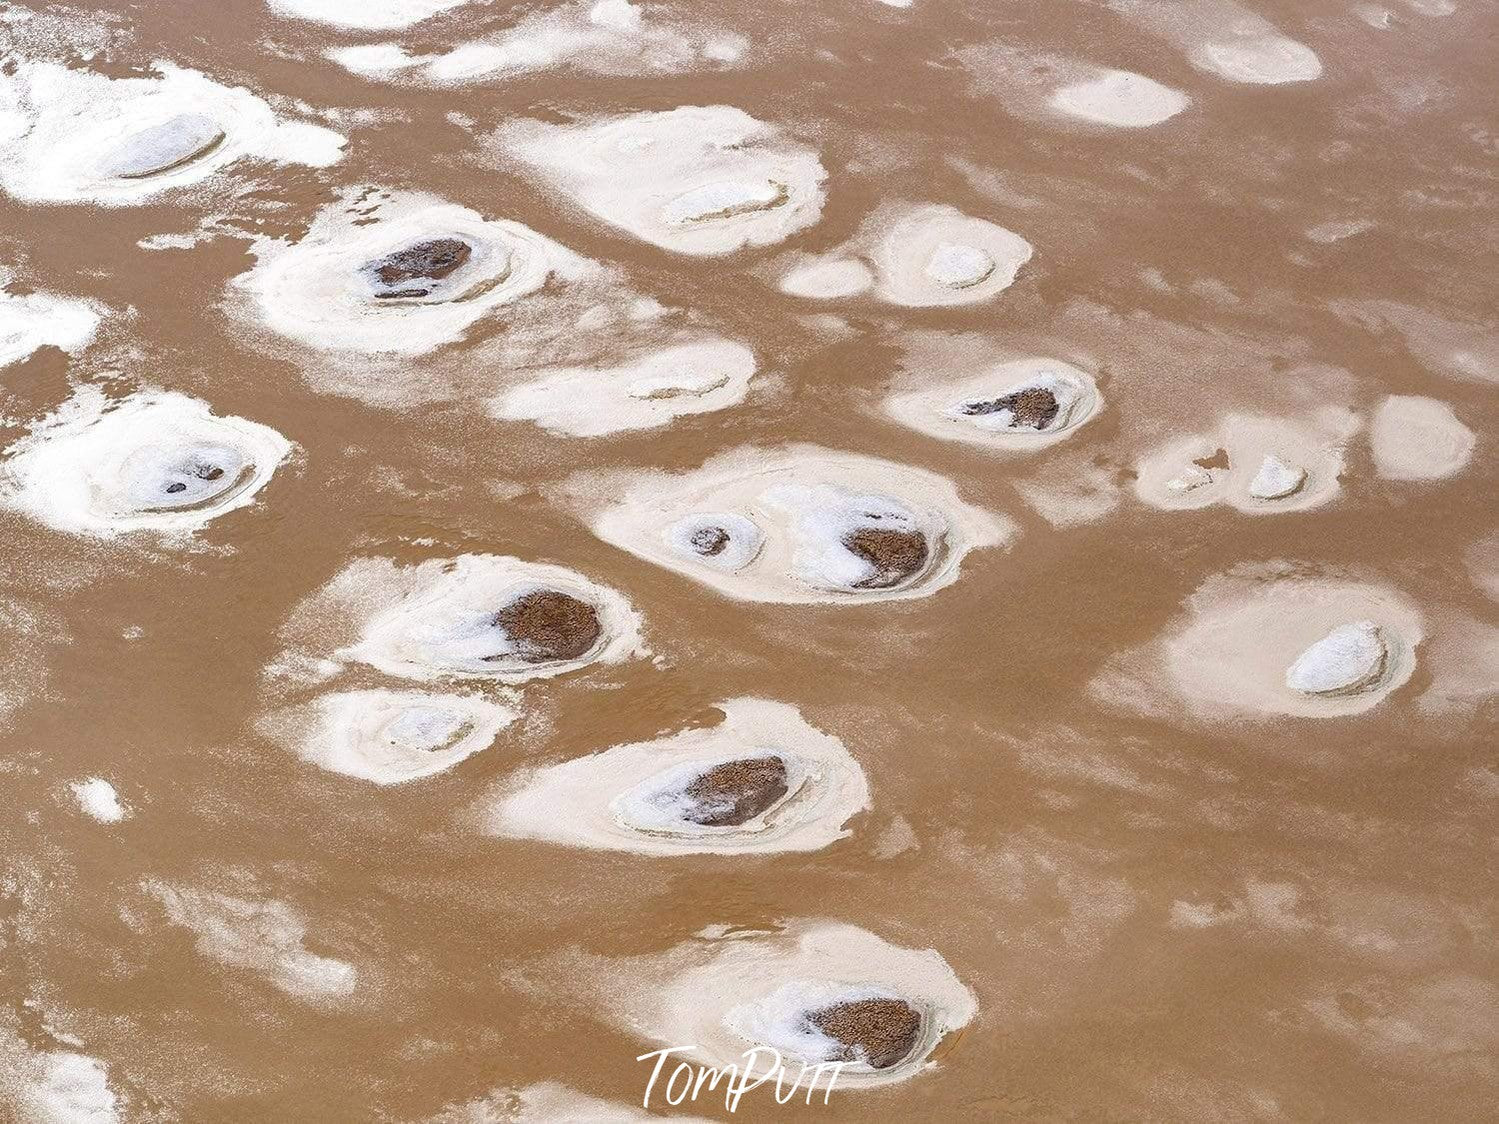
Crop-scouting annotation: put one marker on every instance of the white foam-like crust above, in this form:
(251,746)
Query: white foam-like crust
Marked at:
(389,737)
(828,279)
(645,393)
(265,937)
(1120,98)
(1168,477)
(703,180)
(802,499)
(71,132)
(33,320)
(629,797)
(98,799)
(436,619)
(936,408)
(595,36)
(364,15)
(104,468)
(64,1087)
(1415,438)
(1244,635)
(752,990)
(1267,59)
(318,292)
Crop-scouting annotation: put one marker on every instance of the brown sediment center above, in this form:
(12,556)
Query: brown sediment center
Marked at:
(1034,407)
(425,261)
(1218,460)
(895,555)
(882,1032)
(736,792)
(548,625)
(709,541)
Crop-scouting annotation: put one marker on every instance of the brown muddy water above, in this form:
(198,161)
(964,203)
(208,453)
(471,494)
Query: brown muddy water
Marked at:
(1171,887)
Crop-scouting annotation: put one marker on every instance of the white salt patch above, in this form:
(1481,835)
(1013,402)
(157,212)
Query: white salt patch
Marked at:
(702,180)
(324,290)
(34,320)
(631,797)
(79,137)
(1336,230)
(727,995)
(1120,98)
(439,618)
(364,15)
(1275,479)
(720,539)
(70,1089)
(828,280)
(972,409)
(264,937)
(1348,658)
(1226,39)
(802,502)
(936,255)
(98,798)
(1415,438)
(693,378)
(389,737)
(156,461)
(1259,59)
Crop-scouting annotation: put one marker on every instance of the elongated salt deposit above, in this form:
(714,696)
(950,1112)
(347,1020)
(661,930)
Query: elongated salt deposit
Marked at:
(1349,658)
(156,461)
(806,525)
(33,320)
(762,780)
(702,180)
(1226,39)
(1415,438)
(73,136)
(62,1087)
(1017,405)
(651,391)
(364,15)
(1120,98)
(403,280)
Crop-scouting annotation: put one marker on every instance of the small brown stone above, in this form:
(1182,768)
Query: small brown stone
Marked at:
(1035,406)
(709,541)
(895,555)
(548,625)
(423,262)
(736,792)
(1218,460)
(882,1032)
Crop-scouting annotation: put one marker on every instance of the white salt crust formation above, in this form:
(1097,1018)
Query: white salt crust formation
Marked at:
(644,393)
(702,180)
(72,136)
(402,278)
(97,798)
(548,1102)
(364,15)
(1257,465)
(737,992)
(1415,438)
(917,256)
(1225,39)
(1276,642)
(445,618)
(1018,405)
(60,1087)
(264,937)
(389,737)
(156,461)
(1120,98)
(595,36)
(800,525)
(35,320)
(658,797)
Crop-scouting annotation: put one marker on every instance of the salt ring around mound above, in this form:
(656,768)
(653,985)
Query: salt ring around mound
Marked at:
(1120,98)
(152,462)
(935,255)
(163,147)
(485,616)
(1022,404)
(762,780)
(803,525)
(818,992)
(1261,60)
(389,737)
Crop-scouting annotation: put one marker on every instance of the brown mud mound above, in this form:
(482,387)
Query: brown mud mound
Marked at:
(882,1032)
(736,792)
(547,625)
(895,555)
(1034,407)
(427,262)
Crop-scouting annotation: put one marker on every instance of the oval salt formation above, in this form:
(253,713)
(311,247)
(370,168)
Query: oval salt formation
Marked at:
(161,148)
(726,200)
(1348,659)
(168,479)
(877,1032)
(1275,479)
(959,266)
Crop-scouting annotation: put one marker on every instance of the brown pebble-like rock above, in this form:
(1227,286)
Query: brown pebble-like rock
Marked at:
(709,541)
(736,792)
(895,555)
(411,271)
(547,625)
(1034,407)
(882,1032)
